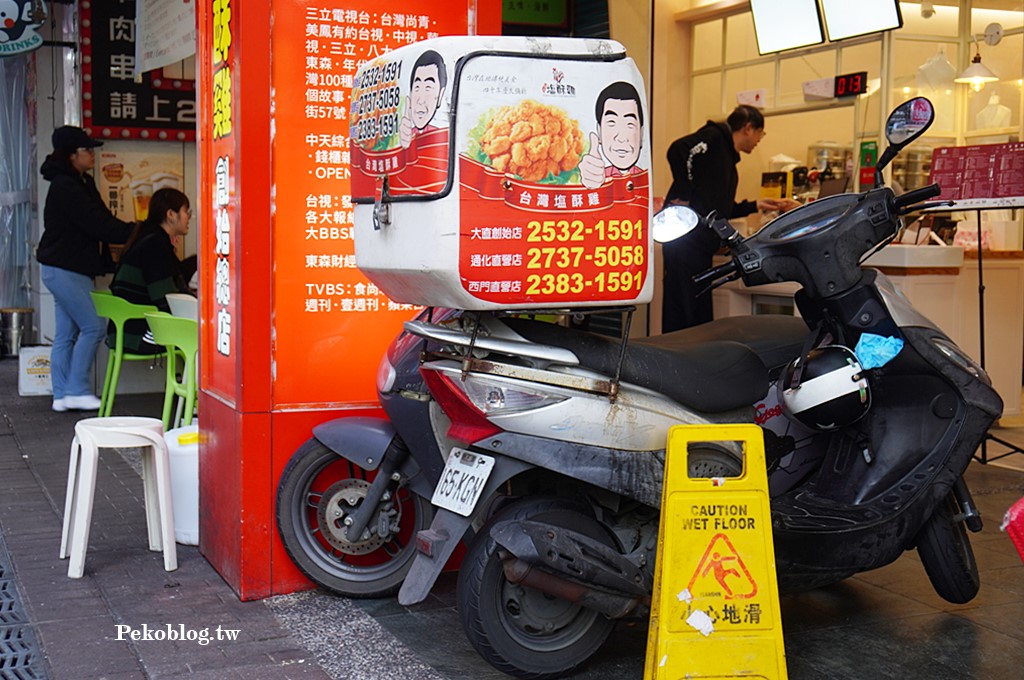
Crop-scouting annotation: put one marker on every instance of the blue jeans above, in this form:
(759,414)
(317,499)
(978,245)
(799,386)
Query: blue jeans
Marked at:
(79,331)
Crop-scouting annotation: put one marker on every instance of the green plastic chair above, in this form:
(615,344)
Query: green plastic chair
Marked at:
(118,310)
(181,338)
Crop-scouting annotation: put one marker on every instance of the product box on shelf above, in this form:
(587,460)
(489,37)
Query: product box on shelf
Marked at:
(503,173)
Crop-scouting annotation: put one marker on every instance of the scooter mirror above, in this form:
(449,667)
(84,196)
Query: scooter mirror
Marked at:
(909,121)
(672,222)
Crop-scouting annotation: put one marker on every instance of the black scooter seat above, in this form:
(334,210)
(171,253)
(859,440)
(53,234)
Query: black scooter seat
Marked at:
(776,338)
(710,376)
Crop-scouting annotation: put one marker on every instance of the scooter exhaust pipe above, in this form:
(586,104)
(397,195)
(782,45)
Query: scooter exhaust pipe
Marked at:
(611,605)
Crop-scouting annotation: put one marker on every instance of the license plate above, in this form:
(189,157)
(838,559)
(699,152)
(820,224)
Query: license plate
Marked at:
(462,481)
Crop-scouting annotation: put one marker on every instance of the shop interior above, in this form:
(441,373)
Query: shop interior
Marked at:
(720,65)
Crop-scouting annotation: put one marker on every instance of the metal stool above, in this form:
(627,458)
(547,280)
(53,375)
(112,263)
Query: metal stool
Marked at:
(93,434)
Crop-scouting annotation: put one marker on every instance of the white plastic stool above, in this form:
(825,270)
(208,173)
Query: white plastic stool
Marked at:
(93,434)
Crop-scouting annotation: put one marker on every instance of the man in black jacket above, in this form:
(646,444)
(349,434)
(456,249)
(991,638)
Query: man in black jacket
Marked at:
(704,177)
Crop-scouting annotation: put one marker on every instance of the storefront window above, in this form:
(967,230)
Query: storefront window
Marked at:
(996,106)
(706,102)
(1007,13)
(927,69)
(937,19)
(924,66)
(922,59)
(740,41)
(865,57)
(707,45)
(753,77)
(797,70)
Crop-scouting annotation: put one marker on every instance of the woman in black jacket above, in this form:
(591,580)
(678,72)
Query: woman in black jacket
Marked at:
(149,267)
(76,224)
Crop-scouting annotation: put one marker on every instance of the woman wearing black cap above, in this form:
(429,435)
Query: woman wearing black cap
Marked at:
(76,223)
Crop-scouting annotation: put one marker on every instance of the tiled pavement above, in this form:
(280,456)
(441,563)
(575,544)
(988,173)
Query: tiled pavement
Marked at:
(884,624)
(76,619)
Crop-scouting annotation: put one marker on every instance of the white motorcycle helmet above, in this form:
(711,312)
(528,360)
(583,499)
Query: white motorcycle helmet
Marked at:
(833,390)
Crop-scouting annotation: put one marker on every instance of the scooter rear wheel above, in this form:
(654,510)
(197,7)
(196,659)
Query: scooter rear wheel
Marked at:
(317,491)
(707,460)
(519,630)
(947,556)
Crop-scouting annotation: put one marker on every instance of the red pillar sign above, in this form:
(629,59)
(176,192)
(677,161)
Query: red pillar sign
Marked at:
(291,332)
(322,302)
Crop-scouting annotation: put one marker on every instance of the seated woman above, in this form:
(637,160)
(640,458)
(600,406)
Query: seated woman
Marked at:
(149,268)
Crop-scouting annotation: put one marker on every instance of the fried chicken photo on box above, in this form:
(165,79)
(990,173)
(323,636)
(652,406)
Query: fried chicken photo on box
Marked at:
(532,140)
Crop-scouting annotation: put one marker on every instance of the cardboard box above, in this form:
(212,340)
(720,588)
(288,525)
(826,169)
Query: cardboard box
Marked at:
(34,371)
(494,172)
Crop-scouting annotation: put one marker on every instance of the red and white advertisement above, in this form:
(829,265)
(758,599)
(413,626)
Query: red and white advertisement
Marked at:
(325,310)
(541,159)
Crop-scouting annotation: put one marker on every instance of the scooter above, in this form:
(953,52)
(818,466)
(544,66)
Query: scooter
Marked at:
(553,440)
(556,440)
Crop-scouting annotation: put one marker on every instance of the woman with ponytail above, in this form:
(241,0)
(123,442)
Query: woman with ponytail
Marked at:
(149,267)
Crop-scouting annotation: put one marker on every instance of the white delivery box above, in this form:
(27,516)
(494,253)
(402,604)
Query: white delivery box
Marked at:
(503,173)
(34,371)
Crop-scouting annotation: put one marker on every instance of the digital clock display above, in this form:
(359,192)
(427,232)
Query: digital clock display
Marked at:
(851,84)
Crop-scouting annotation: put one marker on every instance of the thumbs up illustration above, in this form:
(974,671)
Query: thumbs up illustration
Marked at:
(405,127)
(592,165)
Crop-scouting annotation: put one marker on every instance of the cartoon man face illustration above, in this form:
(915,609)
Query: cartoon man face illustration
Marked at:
(619,136)
(620,132)
(426,88)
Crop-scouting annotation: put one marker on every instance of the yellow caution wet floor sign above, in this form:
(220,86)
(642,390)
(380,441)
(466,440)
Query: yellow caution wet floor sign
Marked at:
(715,609)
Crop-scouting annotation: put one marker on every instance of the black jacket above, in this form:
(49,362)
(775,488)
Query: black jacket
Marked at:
(704,176)
(76,222)
(147,271)
(704,172)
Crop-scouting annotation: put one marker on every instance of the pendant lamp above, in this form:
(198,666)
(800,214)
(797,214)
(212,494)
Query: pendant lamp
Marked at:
(977,74)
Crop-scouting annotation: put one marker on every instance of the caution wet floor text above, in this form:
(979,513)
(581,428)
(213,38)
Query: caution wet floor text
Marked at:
(715,610)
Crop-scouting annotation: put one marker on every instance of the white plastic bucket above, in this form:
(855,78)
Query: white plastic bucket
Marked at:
(183,447)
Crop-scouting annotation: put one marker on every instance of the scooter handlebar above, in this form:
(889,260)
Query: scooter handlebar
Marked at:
(716,273)
(917,196)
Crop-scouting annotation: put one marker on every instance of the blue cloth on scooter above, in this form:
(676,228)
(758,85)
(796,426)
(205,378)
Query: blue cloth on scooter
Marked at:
(876,350)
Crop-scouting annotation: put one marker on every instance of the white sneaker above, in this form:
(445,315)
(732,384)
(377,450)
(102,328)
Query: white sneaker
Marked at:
(59,406)
(82,402)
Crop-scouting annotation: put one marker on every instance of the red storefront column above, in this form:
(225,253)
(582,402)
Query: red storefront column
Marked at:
(290,332)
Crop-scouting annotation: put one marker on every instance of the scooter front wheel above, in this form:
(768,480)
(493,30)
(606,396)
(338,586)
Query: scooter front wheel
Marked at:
(947,556)
(518,630)
(318,490)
